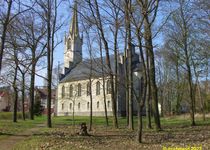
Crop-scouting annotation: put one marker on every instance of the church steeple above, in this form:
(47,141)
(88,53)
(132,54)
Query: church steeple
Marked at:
(74,28)
(73,42)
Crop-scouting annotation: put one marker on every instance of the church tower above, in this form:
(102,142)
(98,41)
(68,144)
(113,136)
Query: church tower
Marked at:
(73,42)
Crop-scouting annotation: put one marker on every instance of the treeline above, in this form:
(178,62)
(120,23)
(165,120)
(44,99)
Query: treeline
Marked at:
(28,40)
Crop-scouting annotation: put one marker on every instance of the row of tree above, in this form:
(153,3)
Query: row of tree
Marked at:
(173,71)
(28,36)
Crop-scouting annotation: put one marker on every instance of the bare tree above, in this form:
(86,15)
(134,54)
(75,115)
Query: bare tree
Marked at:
(34,31)
(103,84)
(98,23)
(5,26)
(129,59)
(6,18)
(149,13)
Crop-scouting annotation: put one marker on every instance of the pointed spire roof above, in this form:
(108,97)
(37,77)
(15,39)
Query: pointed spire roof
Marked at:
(74,28)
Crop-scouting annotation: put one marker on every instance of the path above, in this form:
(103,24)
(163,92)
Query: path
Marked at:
(9,143)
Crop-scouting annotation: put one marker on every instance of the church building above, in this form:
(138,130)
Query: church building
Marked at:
(79,75)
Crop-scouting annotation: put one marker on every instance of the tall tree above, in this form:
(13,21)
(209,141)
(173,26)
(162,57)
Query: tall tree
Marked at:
(7,17)
(4,31)
(129,59)
(149,13)
(143,79)
(104,80)
(98,22)
(34,32)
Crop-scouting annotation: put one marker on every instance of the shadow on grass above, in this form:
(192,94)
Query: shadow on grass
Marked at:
(8,134)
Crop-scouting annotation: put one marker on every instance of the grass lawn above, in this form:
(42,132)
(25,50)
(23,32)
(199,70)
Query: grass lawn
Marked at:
(8,127)
(177,132)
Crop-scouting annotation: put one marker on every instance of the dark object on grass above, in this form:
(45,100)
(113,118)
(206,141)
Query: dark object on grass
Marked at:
(83,130)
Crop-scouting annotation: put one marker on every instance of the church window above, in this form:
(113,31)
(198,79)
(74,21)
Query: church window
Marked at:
(98,104)
(62,106)
(63,91)
(68,44)
(88,88)
(78,105)
(79,89)
(98,88)
(70,91)
(70,106)
(88,105)
(108,87)
(108,104)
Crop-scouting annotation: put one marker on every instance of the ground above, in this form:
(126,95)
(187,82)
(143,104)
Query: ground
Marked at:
(177,132)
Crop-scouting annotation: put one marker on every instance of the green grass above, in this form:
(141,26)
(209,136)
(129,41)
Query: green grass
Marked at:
(31,143)
(8,127)
(9,115)
(60,136)
(65,124)
(68,120)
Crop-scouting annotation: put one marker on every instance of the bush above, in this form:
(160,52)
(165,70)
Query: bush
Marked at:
(38,108)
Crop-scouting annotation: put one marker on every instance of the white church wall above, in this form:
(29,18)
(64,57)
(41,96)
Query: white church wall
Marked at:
(67,105)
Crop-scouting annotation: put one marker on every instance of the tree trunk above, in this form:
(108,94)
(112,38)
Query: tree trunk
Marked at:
(140,124)
(149,47)
(49,64)
(177,90)
(187,63)
(104,89)
(91,105)
(127,94)
(100,27)
(189,79)
(143,89)
(32,86)
(4,32)
(192,98)
(16,95)
(23,96)
(116,65)
(130,71)
(126,78)
(148,98)
(201,101)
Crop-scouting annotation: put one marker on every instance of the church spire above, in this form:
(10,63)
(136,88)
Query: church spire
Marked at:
(74,28)
(73,42)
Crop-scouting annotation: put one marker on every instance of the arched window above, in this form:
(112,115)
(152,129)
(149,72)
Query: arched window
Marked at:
(63,91)
(108,87)
(78,105)
(71,91)
(88,105)
(98,104)
(97,88)
(79,89)
(62,106)
(70,106)
(88,88)
(108,104)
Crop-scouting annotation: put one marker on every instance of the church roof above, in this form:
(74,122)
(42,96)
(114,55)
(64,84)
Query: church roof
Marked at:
(83,69)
